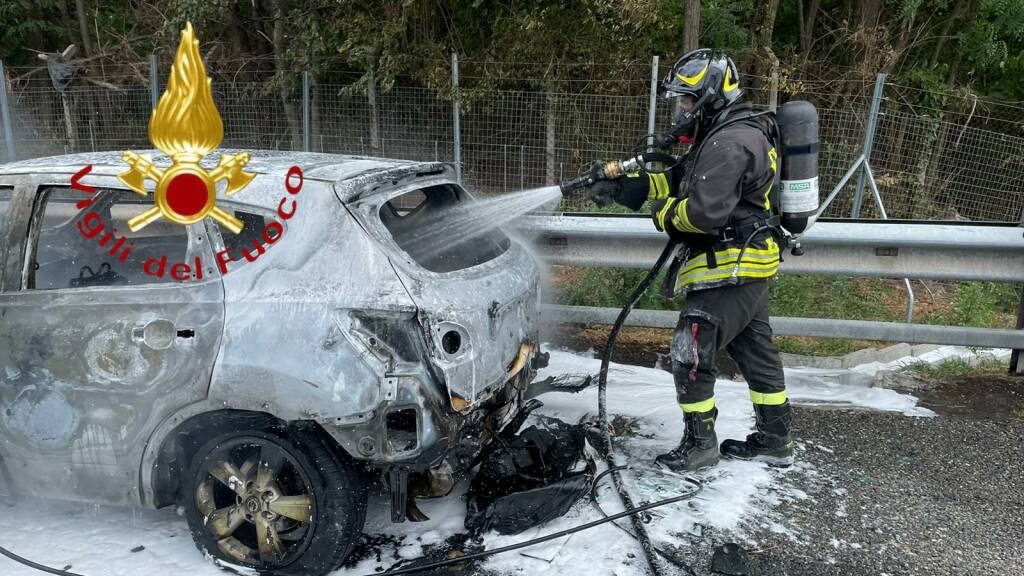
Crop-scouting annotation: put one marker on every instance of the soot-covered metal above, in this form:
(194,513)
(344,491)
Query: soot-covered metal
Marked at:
(108,387)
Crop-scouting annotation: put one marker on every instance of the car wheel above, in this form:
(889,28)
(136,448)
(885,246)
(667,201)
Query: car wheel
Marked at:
(280,503)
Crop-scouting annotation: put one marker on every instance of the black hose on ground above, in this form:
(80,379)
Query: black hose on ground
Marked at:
(602,408)
(538,540)
(667,555)
(31,564)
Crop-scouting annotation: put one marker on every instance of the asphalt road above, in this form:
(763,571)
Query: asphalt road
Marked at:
(888,494)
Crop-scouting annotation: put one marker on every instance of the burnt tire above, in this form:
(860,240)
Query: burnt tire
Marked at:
(278,501)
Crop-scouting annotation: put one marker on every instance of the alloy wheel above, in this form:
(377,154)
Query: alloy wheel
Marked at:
(256,502)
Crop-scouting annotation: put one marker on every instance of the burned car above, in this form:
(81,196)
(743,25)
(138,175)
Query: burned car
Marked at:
(261,379)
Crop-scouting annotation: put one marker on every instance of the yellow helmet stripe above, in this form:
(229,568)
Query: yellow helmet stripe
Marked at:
(725,84)
(694,80)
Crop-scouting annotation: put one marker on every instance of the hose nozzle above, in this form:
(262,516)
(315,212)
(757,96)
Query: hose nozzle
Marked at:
(607,171)
(576,184)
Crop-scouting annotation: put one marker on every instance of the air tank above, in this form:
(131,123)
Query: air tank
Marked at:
(798,129)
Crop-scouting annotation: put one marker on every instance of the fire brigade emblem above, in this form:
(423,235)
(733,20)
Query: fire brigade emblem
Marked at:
(186,126)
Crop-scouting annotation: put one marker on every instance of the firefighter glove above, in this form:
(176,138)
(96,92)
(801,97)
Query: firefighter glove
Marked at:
(603,192)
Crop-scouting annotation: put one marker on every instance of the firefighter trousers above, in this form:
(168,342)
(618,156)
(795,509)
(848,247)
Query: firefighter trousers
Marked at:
(733,318)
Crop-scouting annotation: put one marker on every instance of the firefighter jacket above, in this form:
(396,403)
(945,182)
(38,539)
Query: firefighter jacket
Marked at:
(725,184)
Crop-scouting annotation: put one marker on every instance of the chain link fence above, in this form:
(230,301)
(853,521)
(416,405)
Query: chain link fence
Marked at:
(959,158)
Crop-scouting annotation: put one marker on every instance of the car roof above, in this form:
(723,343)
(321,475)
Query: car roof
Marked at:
(335,168)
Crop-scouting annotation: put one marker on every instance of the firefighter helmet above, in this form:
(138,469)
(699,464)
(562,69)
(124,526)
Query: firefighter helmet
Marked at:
(701,84)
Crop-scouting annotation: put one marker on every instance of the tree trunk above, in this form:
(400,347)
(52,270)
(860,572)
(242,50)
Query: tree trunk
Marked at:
(867,32)
(954,69)
(800,20)
(765,61)
(906,28)
(315,137)
(807,32)
(67,21)
(236,32)
(284,77)
(969,21)
(259,14)
(69,122)
(691,26)
(83,27)
(371,100)
(921,202)
(944,35)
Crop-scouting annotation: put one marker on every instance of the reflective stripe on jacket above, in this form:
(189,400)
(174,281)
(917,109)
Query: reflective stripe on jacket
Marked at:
(759,261)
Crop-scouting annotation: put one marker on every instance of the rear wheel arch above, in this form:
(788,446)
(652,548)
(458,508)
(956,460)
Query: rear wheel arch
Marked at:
(177,447)
(180,444)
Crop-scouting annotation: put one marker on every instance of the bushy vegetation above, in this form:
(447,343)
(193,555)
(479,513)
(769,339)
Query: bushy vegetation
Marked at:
(933,45)
(978,304)
(957,367)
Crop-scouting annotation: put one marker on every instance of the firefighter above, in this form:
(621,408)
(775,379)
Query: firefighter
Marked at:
(717,202)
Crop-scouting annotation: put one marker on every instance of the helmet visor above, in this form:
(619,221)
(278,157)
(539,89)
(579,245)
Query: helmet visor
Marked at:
(682,104)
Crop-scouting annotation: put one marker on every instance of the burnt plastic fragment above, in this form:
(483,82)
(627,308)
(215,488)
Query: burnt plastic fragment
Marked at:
(398,482)
(528,479)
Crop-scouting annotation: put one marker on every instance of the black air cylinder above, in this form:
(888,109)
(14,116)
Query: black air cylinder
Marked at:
(798,128)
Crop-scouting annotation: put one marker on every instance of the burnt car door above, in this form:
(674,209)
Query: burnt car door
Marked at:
(104,332)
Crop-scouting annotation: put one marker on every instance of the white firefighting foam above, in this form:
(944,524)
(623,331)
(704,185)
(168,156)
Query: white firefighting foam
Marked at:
(98,540)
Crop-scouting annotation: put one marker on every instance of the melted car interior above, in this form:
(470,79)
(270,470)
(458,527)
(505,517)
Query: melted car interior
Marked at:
(407,215)
(69,250)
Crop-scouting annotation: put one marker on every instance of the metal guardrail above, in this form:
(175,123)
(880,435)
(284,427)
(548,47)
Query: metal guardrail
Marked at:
(893,249)
(816,327)
(935,251)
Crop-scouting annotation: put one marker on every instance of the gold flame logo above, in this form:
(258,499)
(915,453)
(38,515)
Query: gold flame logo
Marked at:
(186,126)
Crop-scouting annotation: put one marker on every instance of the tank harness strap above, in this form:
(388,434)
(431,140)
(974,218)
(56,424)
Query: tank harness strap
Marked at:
(744,227)
(804,149)
(744,230)
(709,255)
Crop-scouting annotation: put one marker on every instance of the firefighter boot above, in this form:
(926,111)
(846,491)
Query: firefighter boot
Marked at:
(772,442)
(699,447)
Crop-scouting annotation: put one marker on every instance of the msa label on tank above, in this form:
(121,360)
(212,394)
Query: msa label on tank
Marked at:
(799,196)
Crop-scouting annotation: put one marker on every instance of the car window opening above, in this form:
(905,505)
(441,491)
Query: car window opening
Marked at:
(81,248)
(408,216)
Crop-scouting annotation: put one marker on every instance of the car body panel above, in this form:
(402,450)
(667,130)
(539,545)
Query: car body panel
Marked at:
(492,306)
(82,387)
(331,324)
